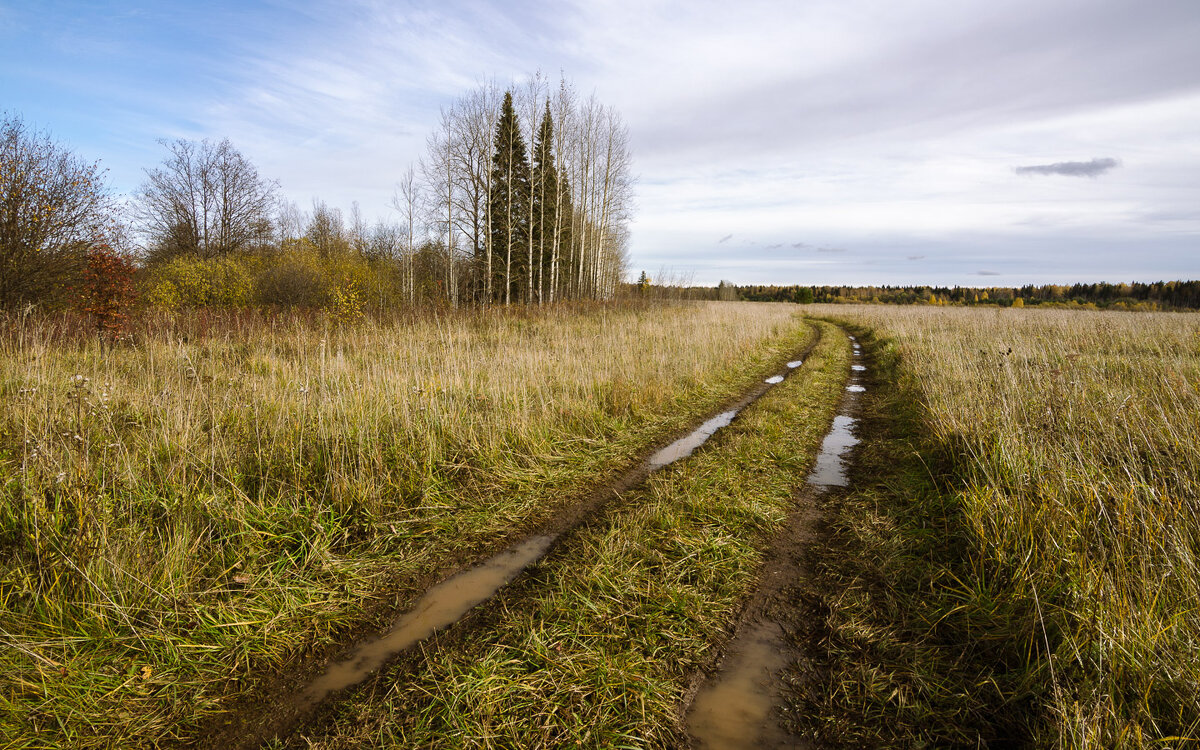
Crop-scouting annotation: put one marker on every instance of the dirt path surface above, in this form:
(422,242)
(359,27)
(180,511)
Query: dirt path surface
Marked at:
(293,698)
(742,703)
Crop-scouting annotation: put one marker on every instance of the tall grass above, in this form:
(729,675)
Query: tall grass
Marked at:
(1076,472)
(222,494)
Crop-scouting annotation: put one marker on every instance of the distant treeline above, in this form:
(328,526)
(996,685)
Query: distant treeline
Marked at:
(1160,295)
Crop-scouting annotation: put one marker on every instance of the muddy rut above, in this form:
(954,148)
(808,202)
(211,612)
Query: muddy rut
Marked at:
(448,602)
(741,705)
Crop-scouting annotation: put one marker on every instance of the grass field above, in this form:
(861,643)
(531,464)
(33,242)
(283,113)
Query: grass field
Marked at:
(1022,564)
(224,494)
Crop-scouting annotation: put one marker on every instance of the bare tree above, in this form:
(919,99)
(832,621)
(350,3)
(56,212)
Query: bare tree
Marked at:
(408,200)
(473,123)
(54,207)
(206,199)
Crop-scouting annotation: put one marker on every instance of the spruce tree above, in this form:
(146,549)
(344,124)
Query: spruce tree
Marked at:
(509,204)
(545,201)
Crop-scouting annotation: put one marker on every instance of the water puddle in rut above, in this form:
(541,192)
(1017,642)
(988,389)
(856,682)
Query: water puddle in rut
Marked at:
(734,712)
(448,601)
(442,605)
(684,446)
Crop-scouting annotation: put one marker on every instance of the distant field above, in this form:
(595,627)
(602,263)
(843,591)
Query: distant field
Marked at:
(1053,519)
(212,499)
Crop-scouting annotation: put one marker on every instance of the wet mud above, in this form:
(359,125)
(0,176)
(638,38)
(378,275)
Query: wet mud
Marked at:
(448,602)
(739,705)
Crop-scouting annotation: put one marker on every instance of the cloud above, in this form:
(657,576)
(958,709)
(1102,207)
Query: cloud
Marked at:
(1093,168)
(725,239)
(831,249)
(916,257)
(798,245)
(776,246)
(987,273)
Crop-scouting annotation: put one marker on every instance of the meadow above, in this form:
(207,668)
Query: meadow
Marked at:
(1031,575)
(224,494)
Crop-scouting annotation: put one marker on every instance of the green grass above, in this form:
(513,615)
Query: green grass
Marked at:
(1021,566)
(223,496)
(596,645)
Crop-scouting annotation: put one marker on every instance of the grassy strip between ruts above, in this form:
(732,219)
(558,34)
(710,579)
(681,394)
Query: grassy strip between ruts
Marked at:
(195,510)
(594,647)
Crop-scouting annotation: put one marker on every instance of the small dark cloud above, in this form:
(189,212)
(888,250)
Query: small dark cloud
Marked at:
(725,239)
(916,257)
(831,249)
(1093,168)
(988,273)
(776,246)
(798,245)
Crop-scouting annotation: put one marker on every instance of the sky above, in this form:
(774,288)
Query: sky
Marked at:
(972,143)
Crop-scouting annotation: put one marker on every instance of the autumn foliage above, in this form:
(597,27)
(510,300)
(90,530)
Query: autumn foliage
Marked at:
(108,292)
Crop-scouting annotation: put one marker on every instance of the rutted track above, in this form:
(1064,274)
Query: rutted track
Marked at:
(449,601)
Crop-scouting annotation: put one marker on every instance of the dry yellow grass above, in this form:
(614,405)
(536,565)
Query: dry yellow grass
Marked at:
(218,496)
(1076,445)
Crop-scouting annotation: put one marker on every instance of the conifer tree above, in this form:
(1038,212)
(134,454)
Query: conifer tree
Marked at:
(545,202)
(509,203)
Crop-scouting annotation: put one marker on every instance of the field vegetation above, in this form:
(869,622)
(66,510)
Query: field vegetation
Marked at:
(220,495)
(1021,564)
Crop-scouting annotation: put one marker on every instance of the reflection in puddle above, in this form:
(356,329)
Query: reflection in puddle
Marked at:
(683,447)
(774,379)
(794,364)
(442,605)
(856,389)
(734,711)
(830,470)
(858,368)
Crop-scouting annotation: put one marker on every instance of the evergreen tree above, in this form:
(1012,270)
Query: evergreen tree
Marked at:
(509,204)
(545,202)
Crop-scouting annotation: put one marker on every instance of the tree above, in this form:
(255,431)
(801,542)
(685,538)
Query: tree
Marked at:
(206,200)
(107,290)
(545,203)
(643,284)
(409,201)
(508,200)
(54,207)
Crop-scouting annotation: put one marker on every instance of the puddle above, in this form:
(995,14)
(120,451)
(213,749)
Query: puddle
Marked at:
(774,380)
(683,447)
(734,712)
(830,469)
(441,606)
(856,389)
(858,368)
(795,364)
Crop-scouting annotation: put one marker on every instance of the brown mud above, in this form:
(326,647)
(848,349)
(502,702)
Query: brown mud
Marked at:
(742,702)
(285,701)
